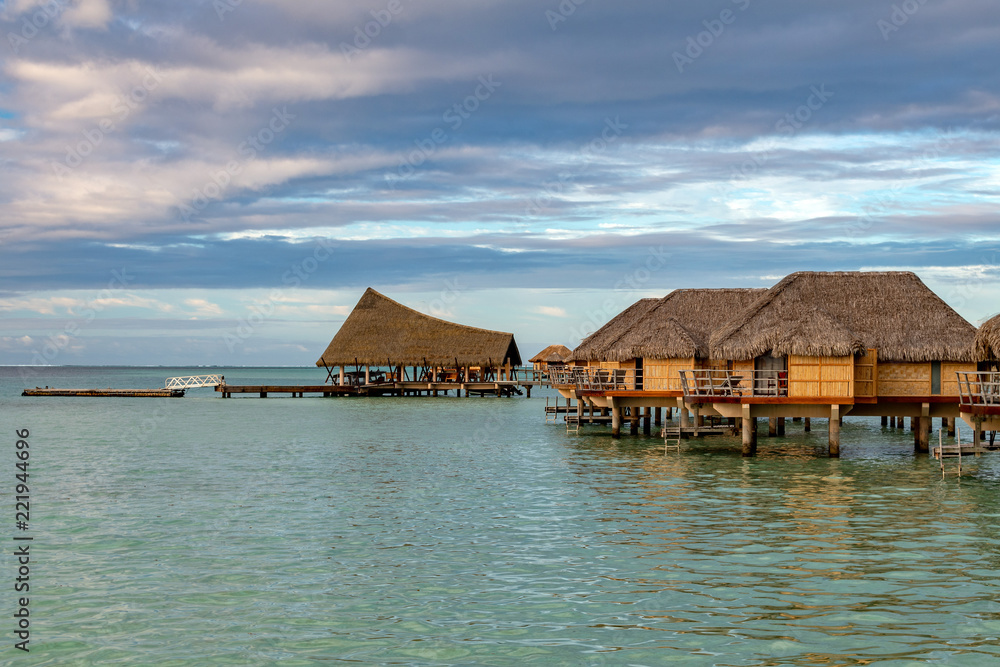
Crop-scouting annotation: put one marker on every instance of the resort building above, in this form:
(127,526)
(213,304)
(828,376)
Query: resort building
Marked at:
(828,344)
(980,391)
(384,341)
(554,356)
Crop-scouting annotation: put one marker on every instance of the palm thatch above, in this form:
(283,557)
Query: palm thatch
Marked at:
(380,331)
(592,348)
(843,313)
(679,325)
(988,340)
(553,354)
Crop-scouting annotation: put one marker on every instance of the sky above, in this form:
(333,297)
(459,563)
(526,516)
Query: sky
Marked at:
(216,182)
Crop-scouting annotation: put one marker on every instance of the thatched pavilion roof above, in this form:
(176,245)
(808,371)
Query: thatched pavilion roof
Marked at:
(843,313)
(553,354)
(379,331)
(593,346)
(988,340)
(679,324)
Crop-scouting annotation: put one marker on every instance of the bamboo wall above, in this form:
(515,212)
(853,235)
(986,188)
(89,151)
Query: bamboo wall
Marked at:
(914,379)
(820,376)
(664,374)
(866,375)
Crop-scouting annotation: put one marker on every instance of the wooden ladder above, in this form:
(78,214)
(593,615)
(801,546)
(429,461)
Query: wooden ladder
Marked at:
(671,441)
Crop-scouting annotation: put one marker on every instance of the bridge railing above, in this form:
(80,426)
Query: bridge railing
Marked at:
(981,388)
(192,381)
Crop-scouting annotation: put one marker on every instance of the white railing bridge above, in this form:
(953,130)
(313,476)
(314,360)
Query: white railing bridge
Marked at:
(192,381)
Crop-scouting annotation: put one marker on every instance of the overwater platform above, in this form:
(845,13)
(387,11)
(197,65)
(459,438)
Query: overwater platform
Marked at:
(106,393)
(374,389)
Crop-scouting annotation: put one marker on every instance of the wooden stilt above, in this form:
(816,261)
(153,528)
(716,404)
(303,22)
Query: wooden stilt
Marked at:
(749,434)
(834,436)
(923,435)
(647,417)
(772,427)
(658,416)
(781,426)
(951,427)
(616,420)
(885,421)
(633,421)
(807,424)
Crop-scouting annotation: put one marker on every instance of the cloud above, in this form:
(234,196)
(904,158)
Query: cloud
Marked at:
(551,311)
(87,14)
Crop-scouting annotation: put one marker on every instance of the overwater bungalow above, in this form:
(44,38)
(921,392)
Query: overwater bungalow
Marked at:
(980,390)
(385,341)
(554,356)
(827,344)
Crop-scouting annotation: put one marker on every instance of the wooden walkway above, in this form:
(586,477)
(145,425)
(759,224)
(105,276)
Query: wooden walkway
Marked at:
(106,393)
(380,389)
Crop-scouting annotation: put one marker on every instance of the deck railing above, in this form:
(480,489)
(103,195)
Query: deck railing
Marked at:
(598,379)
(981,388)
(708,383)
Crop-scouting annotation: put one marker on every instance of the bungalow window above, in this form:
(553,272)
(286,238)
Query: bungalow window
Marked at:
(935,378)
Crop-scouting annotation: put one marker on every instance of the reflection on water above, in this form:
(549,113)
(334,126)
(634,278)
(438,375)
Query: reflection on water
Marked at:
(467,531)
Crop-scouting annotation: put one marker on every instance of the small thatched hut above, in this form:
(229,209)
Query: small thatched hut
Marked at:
(852,334)
(554,356)
(380,332)
(592,350)
(673,334)
(988,342)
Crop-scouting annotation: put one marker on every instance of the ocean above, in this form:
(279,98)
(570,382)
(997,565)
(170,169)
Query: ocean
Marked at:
(447,531)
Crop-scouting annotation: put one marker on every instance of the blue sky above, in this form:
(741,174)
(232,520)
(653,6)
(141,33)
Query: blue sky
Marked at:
(216,182)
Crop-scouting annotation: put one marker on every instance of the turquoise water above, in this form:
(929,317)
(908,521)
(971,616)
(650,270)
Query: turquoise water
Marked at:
(469,532)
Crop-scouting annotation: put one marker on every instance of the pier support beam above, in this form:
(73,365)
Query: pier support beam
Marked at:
(647,418)
(616,420)
(781,427)
(658,416)
(685,422)
(633,421)
(807,424)
(885,421)
(834,431)
(772,427)
(749,433)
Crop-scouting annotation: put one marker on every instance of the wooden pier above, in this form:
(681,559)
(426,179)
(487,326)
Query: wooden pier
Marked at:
(106,393)
(505,388)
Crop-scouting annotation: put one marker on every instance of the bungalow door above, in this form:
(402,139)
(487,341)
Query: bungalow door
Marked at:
(771,378)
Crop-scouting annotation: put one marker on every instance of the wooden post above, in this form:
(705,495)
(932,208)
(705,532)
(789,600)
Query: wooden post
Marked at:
(633,421)
(772,427)
(685,423)
(781,426)
(922,444)
(913,424)
(579,412)
(341,376)
(807,424)
(616,420)
(834,435)
(670,414)
(368,374)
(658,416)
(647,421)
(885,421)
(951,427)
(749,433)
(698,420)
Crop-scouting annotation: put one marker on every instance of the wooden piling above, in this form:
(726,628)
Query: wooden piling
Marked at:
(885,421)
(834,435)
(772,427)
(749,436)
(658,416)
(647,419)
(922,442)
(781,426)
(616,420)
(807,424)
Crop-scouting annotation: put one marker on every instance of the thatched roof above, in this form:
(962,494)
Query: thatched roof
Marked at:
(553,354)
(679,324)
(592,347)
(988,340)
(379,331)
(843,313)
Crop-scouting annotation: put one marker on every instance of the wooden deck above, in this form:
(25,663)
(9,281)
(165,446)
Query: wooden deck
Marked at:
(379,389)
(106,393)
